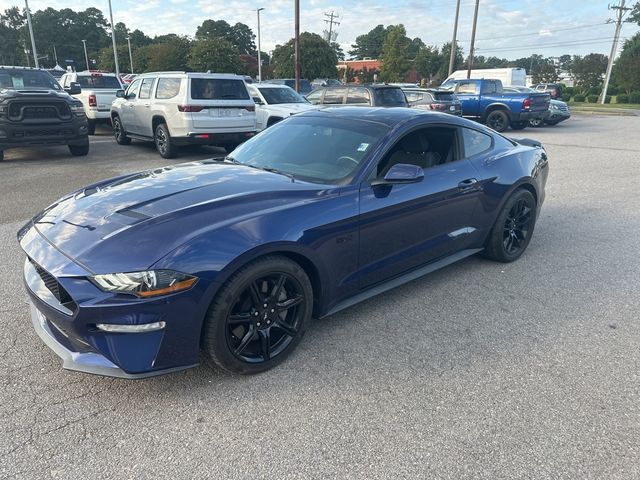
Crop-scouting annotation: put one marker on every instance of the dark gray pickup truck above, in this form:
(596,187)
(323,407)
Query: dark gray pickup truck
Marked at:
(35,110)
(484,100)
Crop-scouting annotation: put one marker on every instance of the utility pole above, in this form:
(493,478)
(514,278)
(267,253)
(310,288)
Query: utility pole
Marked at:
(259,59)
(130,56)
(473,39)
(113,39)
(296,45)
(33,41)
(621,12)
(86,57)
(331,22)
(55,54)
(454,42)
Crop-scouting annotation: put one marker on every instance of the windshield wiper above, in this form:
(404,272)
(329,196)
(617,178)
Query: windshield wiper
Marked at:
(279,172)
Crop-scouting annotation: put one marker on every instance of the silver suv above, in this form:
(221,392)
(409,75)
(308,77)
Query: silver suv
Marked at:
(178,108)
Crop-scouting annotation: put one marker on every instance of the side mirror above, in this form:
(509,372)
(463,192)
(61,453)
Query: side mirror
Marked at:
(258,101)
(73,88)
(120,94)
(401,173)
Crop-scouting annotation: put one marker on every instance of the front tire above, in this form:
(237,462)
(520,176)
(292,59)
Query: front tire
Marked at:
(118,131)
(259,316)
(163,142)
(91,127)
(498,120)
(79,150)
(513,228)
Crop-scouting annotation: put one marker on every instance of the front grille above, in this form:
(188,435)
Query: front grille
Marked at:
(563,108)
(24,110)
(42,132)
(54,286)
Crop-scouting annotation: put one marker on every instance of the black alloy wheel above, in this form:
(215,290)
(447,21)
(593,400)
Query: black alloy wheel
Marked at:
(259,316)
(498,120)
(163,141)
(513,228)
(119,133)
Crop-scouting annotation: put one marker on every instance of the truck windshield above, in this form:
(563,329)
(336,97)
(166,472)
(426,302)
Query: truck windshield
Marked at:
(32,79)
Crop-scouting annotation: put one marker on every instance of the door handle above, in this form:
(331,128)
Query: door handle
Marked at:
(468,184)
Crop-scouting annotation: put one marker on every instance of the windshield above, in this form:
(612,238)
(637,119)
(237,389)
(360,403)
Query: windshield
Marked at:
(389,97)
(314,149)
(97,80)
(448,85)
(18,79)
(281,95)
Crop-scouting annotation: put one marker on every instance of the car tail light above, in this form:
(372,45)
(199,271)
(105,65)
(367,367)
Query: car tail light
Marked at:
(202,135)
(438,106)
(250,108)
(92,101)
(190,108)
(526,105)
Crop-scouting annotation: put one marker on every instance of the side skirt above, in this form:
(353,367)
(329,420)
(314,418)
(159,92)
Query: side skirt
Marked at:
(401,280)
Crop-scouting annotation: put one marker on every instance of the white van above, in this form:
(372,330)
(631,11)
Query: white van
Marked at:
(179,108)
(516,77)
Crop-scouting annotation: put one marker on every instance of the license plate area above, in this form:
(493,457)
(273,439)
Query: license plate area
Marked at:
(223,112)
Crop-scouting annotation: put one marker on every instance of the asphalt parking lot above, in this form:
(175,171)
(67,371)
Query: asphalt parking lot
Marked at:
(481,370)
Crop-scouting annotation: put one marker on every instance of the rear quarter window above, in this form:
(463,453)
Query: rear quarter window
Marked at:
(475,142)
(167,88)
(218,89)
(387,97)
(334,96)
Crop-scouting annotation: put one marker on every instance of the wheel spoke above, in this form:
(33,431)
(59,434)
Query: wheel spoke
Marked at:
(246,340)
(289,330)
(265,343)
(255,295)
(290,302)
(239,318)
(278,288)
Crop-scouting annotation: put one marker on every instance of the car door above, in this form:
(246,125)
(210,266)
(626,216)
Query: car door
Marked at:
(404,226)
(262,116)
(142,108)
(468,92)
(128,104)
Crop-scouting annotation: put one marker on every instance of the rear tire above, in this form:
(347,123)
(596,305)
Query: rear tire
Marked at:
(79,150)
(518,125)
(118,131)
(513,228)
(163,142)
(91,127)
(498,120)
(259,316)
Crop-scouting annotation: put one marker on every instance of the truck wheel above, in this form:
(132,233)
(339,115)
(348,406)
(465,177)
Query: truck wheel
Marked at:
(162,139)
(79,150)
(518,125)
(498,120)
(118,132)
(91,127)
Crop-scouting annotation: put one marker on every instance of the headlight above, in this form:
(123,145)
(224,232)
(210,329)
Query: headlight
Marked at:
(144,284)
(77,110)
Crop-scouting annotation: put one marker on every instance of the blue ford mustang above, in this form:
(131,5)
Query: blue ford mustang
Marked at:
(133,276)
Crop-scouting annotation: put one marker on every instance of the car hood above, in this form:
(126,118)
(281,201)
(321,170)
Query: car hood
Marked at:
(123,223)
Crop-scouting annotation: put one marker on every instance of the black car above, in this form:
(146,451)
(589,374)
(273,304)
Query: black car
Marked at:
(428,99)
(35,110)
(359,95)
(305,85)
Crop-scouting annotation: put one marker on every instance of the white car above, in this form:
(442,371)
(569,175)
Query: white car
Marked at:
(98,91)
(178,108)
(276,102)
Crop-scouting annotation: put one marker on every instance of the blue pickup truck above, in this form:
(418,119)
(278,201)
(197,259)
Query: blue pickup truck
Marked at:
(485,101)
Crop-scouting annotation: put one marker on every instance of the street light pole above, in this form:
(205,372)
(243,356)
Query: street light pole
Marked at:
(473,39)
(113,39)
(259,59)
(33,41)
(296,45)
(454,42)
(86,57)
(130,56)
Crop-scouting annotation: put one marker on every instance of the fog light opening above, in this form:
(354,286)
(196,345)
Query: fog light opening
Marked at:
(117,328)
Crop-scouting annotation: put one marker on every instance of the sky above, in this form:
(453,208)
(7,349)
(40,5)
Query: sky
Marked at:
(506,28)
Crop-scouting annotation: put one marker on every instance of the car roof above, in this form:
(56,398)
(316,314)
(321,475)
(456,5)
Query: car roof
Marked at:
(387,116)
(223,76)
(271,85)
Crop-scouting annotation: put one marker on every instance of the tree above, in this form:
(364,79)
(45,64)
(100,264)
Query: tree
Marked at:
(338,49)
(415,46)
(626,71)
(445,55)
(634,16)
(370,44)
(317,58)
(214,54)
(588,70)
(544,72)
(11,26)
(240,36)
(428,62)
(165,56)
(395,55)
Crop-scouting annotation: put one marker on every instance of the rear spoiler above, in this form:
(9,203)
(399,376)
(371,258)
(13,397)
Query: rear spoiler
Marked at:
(528,142)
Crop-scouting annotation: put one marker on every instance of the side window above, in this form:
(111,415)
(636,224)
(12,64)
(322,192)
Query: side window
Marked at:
(358,95)
(475,142)
(168,88)
(132,91)
(315,97)
(145,88)
(468,88)
(334,96)
(489,87)
(413,96)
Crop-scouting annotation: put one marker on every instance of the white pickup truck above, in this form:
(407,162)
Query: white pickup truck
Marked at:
(98,91)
